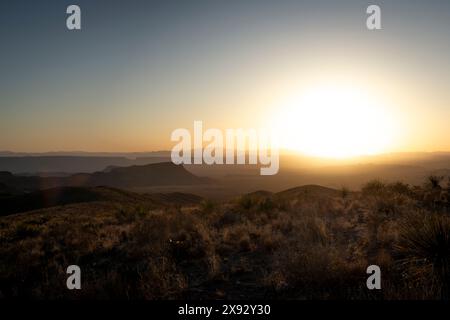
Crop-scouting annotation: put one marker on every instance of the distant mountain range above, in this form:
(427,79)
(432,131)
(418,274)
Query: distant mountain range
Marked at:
(156,174)
(130,171)
(131,155)
(66,163)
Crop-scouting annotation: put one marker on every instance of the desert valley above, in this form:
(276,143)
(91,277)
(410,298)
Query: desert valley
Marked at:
(158,230)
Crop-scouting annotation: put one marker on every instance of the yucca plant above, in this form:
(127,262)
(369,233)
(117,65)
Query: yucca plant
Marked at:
(424,250)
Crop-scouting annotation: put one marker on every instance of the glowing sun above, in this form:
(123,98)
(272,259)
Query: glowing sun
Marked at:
(334,121)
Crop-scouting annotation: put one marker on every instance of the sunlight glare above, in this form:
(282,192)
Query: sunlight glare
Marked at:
(334,121)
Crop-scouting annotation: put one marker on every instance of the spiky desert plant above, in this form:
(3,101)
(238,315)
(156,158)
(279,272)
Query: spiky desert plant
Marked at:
(424,250)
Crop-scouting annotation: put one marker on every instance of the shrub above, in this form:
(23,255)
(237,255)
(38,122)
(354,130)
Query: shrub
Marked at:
(188,244)
(345,192)
(229,217)
(24,230)
(266,204)
(318,272)
(374,188)
(424,249)
(399,188)
(434,181)
(207,206)
(246,202)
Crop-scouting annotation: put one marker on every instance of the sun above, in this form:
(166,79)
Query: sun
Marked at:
(334,121)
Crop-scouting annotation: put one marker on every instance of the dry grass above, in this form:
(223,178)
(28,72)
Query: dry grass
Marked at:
(305,247)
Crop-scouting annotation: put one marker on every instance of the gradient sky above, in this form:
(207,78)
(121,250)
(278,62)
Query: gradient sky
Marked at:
(139,69)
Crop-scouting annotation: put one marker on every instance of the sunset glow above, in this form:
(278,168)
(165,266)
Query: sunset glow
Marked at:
(335,121)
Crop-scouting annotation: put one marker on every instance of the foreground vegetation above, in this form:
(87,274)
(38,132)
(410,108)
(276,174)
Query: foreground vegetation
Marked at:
(305,243)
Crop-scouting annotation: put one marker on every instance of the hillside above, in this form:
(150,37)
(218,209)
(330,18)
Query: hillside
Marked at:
(308,242)
(62,196)
(308,190)
(70,195)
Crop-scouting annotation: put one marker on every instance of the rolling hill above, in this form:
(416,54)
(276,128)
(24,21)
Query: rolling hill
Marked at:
(59,196)
(307,190)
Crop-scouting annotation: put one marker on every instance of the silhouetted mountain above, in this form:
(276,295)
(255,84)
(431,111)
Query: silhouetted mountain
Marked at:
(70,164)
(89,162)
(130,155)
(157,174)
(165,173)
(28,183)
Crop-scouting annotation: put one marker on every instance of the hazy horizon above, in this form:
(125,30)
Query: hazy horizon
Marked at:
(311,69)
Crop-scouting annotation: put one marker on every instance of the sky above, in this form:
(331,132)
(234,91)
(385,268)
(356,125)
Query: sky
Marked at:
(137,70)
